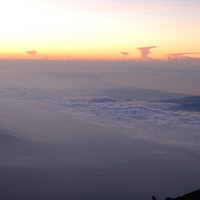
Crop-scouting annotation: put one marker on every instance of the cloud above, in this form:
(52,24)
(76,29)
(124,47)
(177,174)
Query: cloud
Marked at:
(124,53)
(11,57)
(150,113)
(145,51)
(31,53)
(183,57)
(156,122)
(182,54)
(146,121)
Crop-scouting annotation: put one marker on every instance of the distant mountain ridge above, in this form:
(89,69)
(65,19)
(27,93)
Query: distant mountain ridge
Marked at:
(137,94)
(7,138)
(191,103)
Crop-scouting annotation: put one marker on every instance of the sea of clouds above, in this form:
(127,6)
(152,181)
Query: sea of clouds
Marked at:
(149,121)
(155,122)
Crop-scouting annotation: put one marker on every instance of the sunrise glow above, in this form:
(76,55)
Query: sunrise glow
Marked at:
(97,30)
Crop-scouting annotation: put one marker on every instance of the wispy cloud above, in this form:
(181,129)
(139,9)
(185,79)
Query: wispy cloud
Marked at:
(31,53)
(108,6)
(183,57)
(11,57)
(124,53)
(182,54)
(128,8)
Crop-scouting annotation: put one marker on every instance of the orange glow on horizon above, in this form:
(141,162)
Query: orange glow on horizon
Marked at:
(97,29)
(90,56)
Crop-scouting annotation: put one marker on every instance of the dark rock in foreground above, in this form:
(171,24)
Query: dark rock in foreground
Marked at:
(190,196)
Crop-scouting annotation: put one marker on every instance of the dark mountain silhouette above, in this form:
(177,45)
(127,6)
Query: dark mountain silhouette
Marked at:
(7,138)
(191,103)
(143,94)
(137,94)
(190,196)
(23,153)
(99,166)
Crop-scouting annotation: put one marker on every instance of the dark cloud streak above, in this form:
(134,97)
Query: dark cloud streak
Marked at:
(124,53)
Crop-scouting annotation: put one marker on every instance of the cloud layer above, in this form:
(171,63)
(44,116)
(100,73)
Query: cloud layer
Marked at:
(62,89)
(155,122)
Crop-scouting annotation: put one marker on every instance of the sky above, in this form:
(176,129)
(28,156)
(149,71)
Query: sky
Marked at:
(88,29)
